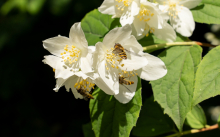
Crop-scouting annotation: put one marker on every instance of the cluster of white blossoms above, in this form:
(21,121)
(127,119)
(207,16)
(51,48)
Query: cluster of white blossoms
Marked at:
(151,16)
(113,65)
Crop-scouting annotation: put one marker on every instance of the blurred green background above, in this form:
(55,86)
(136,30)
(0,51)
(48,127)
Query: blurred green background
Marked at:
(29,106)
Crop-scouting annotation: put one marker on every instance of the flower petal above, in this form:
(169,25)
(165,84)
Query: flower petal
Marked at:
(62,71)
(51,60)
(190,3)
(127,16)
(56,45)
(103,86)
(139,27)
(154,70)
(132,44)
(117,35)
(134,62)
(86,64)
(107,7)
(69,84)
(59,83)
(78,38)
(109,79)
(127,92)
(184,23)
(156,20)
(167,33)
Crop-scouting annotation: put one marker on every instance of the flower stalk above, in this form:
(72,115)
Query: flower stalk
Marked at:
(194,131)
(152,48)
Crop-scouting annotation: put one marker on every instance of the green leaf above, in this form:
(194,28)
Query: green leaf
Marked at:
(208,77)
(95,25)
(111,118)
(196,118)
(152,120)
(207,12)
(87,130)
(174,92)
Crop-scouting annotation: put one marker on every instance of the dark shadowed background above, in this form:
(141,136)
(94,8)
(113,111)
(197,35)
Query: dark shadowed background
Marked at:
(29,106)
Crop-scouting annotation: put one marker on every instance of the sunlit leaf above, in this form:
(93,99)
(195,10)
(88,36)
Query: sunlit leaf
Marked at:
(207,12)
(196,118)
(95,25)
(34,6)
(152,120)
(174,92)
(111,118)
(208,77)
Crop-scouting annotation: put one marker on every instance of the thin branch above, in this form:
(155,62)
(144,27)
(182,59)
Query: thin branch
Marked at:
(166,45)
(207,128)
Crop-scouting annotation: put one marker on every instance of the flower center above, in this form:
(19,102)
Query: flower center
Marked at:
(84,84)
(145,14)
(148,29)
(70,54)
(122,4)
(172,8)
(112,59)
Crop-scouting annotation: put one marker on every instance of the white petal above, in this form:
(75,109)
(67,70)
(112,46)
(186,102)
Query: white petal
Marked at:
(81,74)
(104,87)
(62,71)
(154,70)
(78,38)
(98,55)
(190,3)
(135,7)
(127,16)
(59,83)
(126,95)
(156,20)
(109,79)
(91,49)
(133,62)
(167,33)
(184,23)
(69,84)
(107,7)
(132,44)
(86,64)
(51,60)
(139,26)
(117,35)
(56,45)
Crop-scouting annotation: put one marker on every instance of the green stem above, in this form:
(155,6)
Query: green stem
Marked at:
(166,45)
(193,131)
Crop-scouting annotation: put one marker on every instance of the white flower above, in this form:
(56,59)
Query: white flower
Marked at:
(78,82)
(71,54)
(151,19)
(179,14)
(110,65)
(154,70)
(119,75)
(125,9)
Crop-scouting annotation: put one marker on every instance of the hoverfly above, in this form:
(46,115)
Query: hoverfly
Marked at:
(120,50)
(124,82)
(86,95)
